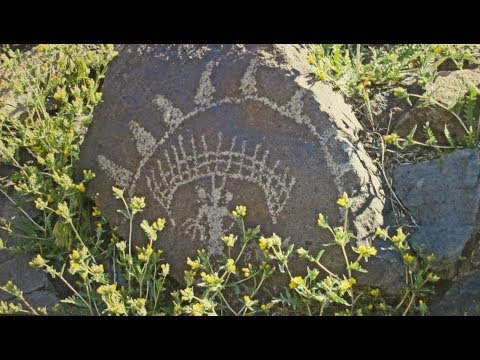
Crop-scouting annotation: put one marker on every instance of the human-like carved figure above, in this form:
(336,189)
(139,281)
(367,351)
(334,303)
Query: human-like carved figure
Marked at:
(208,226)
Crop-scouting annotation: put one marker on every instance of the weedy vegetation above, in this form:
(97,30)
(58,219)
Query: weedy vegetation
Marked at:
(48,98)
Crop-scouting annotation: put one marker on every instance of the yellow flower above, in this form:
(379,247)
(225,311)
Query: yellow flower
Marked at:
(43,47)
(88,175)
(344,201)
(408,258)
(322,222)
(148,250)
(266,306)
(438,49)
(107,289)
(370,307)
(345,284)
(229,240)
(198,309)
(321,74)
(80,187)
(75,255)
(399,92)
(211,280)
(187,294)
(249,302)
(61,94)
(240,211)
(263,243)
(193,264)
(117,193)
(230,266)
(137,204)
(432,277)
(74,267)
(246,272)
(97,269)
(165,269)
(38,261)
(63,211)
(400,237)
(383,233)
(366,251)
(40,204)
(96,211)
(375,292)
(159,224)
(430,257)
(296,282)
(40,160)
(391,139)
(310,59)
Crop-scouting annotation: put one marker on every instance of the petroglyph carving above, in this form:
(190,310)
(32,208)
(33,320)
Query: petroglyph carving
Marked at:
(178,109)
(118,174)
(181,168)
(205,88)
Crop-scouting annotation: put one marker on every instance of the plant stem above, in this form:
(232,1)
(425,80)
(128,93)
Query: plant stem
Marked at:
(409,305)
(443,107)
(23,211)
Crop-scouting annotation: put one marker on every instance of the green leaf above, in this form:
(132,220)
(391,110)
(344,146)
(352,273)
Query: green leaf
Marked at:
(448,136)
(355,266)
(319,255)
(124,213)
(337,298)
(61,232)
(312,274)
(409,139)
(430,138)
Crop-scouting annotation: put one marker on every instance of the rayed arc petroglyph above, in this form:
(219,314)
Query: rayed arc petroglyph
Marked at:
(180,165)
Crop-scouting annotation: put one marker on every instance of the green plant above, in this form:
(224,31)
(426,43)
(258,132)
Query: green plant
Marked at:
(463,111)
(359,71)
(56,88)
(12,308)
(145,272)
(218,287)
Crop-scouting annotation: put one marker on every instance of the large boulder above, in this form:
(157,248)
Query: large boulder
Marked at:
(444,196)
(198,129)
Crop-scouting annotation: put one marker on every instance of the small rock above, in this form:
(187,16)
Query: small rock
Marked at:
(447,88)
(22,275)
(462,299)
(42,298)
(444,195)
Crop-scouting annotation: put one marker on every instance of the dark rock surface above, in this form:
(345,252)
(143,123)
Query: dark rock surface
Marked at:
(198,129)
(34,283)
(444,195)
(463,298)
